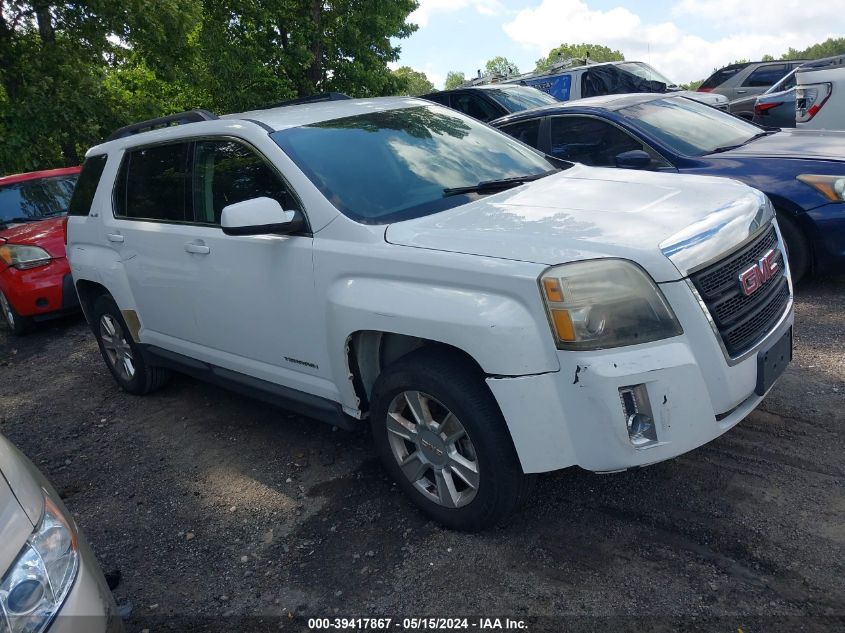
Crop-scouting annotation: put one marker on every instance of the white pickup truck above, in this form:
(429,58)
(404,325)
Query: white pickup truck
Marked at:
(493,314)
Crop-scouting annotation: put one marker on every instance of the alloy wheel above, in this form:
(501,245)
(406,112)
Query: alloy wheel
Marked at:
(118,351)
(433,449)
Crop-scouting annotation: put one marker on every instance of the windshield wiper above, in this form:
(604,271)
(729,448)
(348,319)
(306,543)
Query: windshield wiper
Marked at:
(490,186)
(727,148)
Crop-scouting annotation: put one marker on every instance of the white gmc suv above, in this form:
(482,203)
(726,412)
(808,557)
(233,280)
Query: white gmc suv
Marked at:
(493,314)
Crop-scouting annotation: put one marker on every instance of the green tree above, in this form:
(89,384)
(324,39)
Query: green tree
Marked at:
(830,47)
(501,66)
(454,79)
(277,49)
(53,59)
(412,82)
(767,58)
(595,52)
(70,72)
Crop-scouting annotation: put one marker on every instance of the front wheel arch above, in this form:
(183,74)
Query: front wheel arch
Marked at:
(369,352)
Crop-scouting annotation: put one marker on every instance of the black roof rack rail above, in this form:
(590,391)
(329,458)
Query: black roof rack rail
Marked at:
(835,60)
(325,96)
(181,118)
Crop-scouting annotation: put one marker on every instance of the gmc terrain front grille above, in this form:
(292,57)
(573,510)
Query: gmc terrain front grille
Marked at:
(743,320)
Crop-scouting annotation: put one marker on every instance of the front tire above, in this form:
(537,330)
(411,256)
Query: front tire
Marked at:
(120,352)
(441,435)
(18,324)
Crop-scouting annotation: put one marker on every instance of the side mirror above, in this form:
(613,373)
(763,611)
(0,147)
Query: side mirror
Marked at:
(259,216)
(635,159)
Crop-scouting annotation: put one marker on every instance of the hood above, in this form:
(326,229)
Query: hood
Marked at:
(587,212)
(18,512)
(815,144)
(710,98)
(49,234)
(15,527)
(24,480)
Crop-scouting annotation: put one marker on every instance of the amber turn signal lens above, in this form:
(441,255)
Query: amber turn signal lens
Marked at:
(553,290)
(563,325)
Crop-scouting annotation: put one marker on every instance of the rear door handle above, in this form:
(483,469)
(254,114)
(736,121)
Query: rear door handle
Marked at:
(741,92)
(198,248)
(115,237)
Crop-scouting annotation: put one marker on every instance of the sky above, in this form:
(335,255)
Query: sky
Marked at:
(684,39)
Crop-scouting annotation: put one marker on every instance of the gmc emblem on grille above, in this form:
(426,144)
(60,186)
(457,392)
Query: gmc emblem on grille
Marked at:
(756,275)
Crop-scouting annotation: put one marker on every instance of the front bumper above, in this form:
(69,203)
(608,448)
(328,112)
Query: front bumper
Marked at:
(40,292)
(575,416)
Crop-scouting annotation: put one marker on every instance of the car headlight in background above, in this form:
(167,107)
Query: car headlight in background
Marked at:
(37,583)
(602,303)
(22,256)
(831,187)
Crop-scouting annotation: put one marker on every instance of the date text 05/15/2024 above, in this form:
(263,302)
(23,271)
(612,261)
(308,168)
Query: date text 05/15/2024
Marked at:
(417,624)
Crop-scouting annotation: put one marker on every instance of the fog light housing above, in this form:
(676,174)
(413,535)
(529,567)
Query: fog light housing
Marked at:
(642,429)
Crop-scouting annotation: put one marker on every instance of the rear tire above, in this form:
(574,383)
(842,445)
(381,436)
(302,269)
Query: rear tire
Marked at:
(797,248)
(122,355)
(18,324)
(441,435)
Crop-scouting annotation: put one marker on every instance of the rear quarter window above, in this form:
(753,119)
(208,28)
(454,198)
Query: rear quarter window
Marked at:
(86,186)
(721,76)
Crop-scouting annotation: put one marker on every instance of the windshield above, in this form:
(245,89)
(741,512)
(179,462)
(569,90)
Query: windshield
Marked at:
(645,71)
(36,199)
(689,127)
(380,167)
(518,98)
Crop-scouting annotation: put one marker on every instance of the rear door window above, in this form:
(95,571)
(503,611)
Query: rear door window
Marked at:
(86,186)
(765,76)
(439,97)
(590,141)
(153,184)
(526,131)
(226,172)
(475,106)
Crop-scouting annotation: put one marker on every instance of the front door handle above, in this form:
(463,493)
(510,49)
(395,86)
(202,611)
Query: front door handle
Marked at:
(198,248)
(741,92)
(115,237)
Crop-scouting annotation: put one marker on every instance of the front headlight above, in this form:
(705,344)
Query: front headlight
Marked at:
(831,187)
(22,256)
(601,303)
(39,580)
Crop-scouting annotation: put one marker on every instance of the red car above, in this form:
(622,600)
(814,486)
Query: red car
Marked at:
(35,280)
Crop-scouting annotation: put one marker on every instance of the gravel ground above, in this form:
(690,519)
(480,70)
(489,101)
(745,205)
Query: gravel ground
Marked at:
(211,505)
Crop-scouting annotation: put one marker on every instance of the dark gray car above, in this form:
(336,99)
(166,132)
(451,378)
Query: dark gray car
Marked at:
(746,80)
(745,106)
